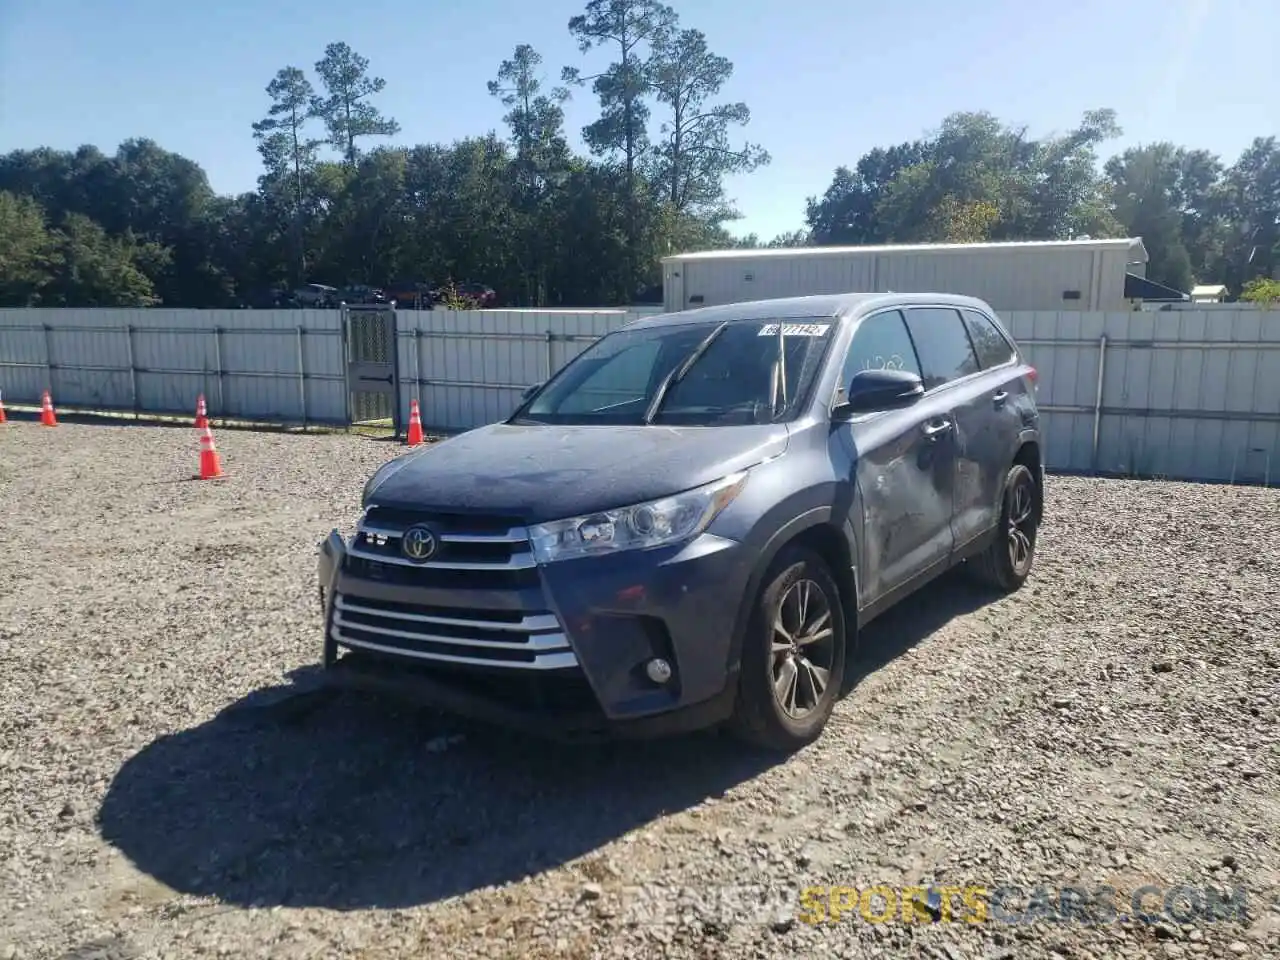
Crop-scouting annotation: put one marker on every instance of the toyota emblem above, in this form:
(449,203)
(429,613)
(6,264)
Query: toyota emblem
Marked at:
(418,543)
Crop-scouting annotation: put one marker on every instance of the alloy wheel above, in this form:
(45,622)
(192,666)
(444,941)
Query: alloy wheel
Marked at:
(803,648)
(1022,531)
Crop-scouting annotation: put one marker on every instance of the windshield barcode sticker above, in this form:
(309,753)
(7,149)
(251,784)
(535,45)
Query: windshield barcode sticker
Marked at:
(795,329)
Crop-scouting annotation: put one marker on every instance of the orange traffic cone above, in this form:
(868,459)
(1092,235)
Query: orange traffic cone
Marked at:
(202,413)
(415,424)
(47,417)
(210,465)
(3,418)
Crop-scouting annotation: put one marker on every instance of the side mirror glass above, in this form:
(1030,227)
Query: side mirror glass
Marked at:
(871,390)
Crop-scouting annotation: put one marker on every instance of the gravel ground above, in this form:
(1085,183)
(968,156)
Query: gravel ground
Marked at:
(166,792)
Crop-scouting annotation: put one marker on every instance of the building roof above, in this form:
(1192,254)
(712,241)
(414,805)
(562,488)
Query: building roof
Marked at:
(801,308)
(1125,243)
(1140,288)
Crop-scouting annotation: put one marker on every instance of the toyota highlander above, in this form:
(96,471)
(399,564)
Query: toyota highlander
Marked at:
(691,522)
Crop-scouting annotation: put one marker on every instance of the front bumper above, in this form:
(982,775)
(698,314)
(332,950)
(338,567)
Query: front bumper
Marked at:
(605,618)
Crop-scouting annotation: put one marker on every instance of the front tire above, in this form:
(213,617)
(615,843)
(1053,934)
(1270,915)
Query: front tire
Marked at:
(793,655)
(1006,563)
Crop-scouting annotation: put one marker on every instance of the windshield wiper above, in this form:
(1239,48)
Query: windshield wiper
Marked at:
(781,369)
(676,375)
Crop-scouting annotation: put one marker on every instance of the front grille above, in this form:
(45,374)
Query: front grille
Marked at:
(505,548)
(472,556)
(480,552)
(444,578)
(533,641)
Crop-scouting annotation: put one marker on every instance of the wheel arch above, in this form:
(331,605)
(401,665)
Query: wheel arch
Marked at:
(816,530)
(1030,456)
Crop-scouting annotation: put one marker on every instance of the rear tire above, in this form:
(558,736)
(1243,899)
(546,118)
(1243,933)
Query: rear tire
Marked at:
(795,643)
(1006,563)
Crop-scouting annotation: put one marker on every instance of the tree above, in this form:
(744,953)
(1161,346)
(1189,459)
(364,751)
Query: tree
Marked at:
(627,25)
(752,241)
(1205,218)
(346,111)
(518,211)
(595,249)
(1251,200)
(959,221)
(1153,197)
(1063,195)
(848,212)
(972,163)
(364,240)
(102,271)
(535,118)
(29,256)
(974,179)
(536,122)
(1261,290)
(695,154)
(286,149)
(792,238)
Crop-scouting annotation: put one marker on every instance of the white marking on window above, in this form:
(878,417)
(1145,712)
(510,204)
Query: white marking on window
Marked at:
(894,362)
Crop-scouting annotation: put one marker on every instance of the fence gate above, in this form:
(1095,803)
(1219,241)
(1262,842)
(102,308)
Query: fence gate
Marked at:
(373,370)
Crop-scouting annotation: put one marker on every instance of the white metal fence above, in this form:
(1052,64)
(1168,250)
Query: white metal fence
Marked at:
(276,365)
(285,366)
(1180,394)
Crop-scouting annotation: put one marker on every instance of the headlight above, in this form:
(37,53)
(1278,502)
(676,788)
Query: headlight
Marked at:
(657,523)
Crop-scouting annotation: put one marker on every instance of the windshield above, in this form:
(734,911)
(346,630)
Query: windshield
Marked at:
(690,374)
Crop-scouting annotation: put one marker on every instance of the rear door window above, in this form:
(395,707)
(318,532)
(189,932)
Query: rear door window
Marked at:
(942,343)
(989,343)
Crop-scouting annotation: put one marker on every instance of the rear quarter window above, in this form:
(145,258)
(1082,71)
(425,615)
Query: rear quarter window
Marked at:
(988,342)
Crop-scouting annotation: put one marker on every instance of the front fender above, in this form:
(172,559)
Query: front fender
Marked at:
(815,517)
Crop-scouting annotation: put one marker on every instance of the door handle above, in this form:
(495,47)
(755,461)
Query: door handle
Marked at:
(1000,398)
(933,431)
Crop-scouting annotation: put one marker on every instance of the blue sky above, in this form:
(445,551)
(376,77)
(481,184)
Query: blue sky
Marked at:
(825,79)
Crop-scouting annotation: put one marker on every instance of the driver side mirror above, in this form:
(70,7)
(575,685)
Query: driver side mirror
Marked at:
(871,390)
(529,391)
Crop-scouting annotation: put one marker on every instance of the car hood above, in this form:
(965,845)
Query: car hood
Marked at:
(548,472)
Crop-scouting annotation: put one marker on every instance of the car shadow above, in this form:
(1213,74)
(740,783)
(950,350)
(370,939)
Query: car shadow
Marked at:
(300,796)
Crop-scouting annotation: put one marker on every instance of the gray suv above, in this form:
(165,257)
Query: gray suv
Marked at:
(690,523)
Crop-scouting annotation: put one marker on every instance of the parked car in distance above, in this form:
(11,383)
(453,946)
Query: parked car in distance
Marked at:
(316,295)
(268,298)
(411,294)
(363,293)
(691,522)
